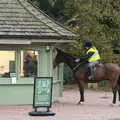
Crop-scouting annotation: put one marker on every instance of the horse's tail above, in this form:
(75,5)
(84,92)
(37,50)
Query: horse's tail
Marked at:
(119,81)
(118,87)
(119,76)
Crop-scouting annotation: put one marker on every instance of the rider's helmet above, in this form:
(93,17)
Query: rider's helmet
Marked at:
(88,44)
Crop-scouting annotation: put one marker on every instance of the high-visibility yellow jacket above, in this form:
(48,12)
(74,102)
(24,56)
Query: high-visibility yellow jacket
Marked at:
(95,56)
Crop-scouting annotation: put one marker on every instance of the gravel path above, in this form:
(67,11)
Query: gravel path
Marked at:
(96,107)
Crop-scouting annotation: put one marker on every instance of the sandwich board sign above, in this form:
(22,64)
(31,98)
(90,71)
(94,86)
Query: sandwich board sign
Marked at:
(42,96)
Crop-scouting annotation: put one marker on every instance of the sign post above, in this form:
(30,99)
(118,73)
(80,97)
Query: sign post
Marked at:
(42,96)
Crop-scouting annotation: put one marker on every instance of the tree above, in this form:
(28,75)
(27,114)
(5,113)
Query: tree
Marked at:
(98,20)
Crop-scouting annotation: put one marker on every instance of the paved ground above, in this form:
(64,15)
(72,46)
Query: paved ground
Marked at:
(96,107)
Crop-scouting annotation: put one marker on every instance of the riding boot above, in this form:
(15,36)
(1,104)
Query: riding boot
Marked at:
(91,77)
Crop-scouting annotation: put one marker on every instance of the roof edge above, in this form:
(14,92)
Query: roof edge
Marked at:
(33,9)
(36,37)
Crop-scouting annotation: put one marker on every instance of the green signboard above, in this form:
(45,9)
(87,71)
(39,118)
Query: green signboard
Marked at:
(42,92)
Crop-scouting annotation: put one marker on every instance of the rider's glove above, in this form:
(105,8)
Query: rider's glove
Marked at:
(77,60)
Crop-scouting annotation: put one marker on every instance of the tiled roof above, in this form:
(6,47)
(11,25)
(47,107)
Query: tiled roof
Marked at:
(19,19)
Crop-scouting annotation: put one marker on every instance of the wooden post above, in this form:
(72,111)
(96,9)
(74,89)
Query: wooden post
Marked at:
(61,66)
(45,68)
(18,63)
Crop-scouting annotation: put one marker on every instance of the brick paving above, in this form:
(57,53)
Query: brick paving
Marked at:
(96,107)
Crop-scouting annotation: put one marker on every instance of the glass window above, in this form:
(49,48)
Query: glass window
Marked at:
(7,63)
(30,64)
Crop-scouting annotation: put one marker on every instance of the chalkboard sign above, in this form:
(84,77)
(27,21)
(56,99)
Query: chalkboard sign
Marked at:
(42,92)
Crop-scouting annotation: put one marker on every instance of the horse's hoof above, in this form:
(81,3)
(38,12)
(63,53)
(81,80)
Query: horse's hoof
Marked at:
(80,103)
(113,105)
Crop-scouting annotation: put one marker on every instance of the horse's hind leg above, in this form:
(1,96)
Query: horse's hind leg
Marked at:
(114,87)
(119,89)
(114,94)
(119,93)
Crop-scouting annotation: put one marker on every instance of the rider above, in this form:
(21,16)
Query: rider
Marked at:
(92,57)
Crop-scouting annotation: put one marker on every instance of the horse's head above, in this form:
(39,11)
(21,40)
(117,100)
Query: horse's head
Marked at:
(63,57)
(58,58)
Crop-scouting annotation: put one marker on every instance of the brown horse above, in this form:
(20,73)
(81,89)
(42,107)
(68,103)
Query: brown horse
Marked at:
(107,71)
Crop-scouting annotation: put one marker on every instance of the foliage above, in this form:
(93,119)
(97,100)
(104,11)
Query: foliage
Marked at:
(68,76)
(43,5)
(52,7)
(98,21)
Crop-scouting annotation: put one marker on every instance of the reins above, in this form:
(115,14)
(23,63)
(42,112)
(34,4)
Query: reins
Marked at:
(78,66)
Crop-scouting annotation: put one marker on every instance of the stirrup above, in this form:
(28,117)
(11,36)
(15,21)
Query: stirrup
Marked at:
(77,60)
(90,78)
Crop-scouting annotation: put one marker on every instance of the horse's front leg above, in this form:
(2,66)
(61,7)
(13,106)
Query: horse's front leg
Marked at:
(81,90)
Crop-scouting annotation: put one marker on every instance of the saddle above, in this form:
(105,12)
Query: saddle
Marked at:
(91,71)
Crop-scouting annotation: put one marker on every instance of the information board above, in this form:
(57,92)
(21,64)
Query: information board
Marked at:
(42,92)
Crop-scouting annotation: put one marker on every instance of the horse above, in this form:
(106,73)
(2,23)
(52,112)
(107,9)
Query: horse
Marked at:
(106,71)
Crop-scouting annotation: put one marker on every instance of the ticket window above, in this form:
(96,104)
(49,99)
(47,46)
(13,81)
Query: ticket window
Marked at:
(29,65)
(7,63)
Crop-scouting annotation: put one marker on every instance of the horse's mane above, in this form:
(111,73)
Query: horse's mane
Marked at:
(70,58)
(69,55)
